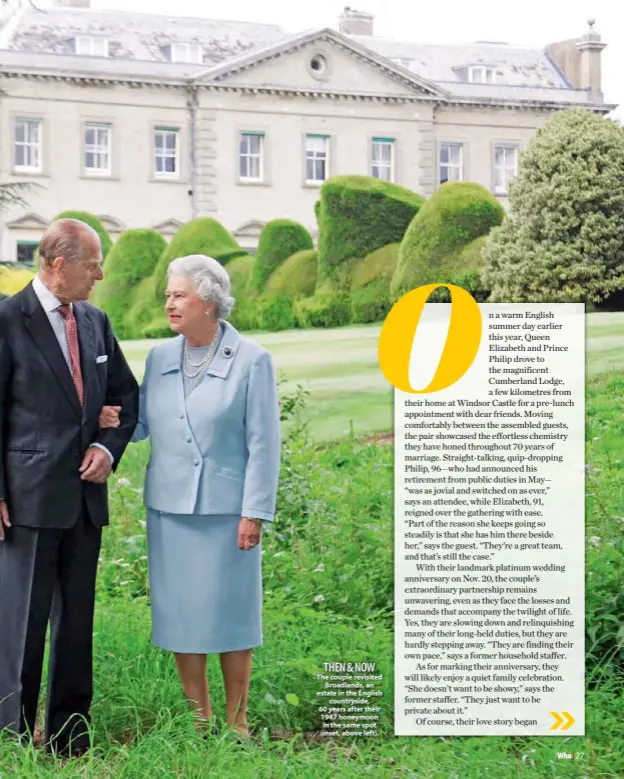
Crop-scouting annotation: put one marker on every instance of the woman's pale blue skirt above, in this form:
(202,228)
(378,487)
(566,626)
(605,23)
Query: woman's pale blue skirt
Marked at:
(206,593)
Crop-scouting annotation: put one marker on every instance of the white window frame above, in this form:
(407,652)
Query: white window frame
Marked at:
(459,166)
(508,172)
(164,131)
(35,147)
(183,53)
(486,74)
(383,164)
(250,156)
(316,154)
(88,44)
(98,149)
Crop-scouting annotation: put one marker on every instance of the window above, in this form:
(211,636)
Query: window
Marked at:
(382,162)
(26,252)
(91,47)
(317,153)
(166,163)
(97,149)
(479,74)
(251,154)
(190,53)
(451,162)
(28,145)
(505,167)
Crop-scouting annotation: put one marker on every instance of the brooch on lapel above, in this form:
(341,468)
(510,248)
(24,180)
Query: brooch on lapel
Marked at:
(227,351)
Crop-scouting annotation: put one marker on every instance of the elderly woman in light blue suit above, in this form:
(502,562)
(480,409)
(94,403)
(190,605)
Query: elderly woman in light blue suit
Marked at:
(209,406)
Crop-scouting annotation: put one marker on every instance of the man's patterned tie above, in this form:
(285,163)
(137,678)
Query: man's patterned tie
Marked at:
(71,331)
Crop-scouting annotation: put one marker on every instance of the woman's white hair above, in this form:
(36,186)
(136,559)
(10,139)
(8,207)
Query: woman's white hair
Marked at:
(210,279)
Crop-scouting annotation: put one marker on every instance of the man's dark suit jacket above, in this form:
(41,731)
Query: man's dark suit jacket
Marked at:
(44,432)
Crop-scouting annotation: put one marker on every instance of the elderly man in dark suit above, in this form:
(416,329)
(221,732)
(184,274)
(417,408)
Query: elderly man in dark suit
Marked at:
(59,365)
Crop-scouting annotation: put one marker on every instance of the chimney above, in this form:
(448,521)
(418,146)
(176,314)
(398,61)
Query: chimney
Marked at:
(354,22)
(72,3)
(579,60)
(590,48)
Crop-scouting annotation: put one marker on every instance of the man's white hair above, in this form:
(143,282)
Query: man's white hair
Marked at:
(210,279)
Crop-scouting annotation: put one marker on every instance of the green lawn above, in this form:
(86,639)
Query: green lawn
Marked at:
(339,368)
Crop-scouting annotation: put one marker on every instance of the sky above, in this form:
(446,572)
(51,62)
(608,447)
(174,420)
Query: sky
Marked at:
(527,22)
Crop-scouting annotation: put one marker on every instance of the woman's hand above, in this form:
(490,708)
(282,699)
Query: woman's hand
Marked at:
(109,417)
(249,533)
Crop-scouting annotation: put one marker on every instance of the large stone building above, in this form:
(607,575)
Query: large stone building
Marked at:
(148,121)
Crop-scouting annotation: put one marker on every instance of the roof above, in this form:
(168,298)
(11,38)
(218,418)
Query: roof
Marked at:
(136,35)
(515,65)
(40,41)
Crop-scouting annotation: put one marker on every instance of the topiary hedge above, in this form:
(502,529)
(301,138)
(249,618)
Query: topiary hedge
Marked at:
(93,221)
(359,214)
(325,309)
(131,261)
(463,268)
(239,270)
(280,239)
(456,214)
(13,280)
(296,278)
(277,314)
(370,285)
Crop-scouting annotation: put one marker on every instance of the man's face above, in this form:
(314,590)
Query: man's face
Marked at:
(77,279)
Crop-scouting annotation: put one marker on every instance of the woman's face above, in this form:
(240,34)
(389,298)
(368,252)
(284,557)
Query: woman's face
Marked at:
(185,309)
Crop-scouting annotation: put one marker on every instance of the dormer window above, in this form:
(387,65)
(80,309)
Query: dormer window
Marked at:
(188,53)
(481,74)
(86,46)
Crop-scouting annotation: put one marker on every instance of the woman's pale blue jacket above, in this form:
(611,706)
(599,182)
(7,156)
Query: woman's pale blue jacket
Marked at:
(218,450)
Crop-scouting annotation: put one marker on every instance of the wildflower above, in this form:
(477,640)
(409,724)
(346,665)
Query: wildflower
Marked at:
(319,568)
(123,482)
(319,598)
(595,540)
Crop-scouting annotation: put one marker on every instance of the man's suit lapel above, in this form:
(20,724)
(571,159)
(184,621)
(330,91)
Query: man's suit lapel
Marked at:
(37,323)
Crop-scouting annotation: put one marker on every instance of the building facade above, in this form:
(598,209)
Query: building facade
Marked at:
(149,121)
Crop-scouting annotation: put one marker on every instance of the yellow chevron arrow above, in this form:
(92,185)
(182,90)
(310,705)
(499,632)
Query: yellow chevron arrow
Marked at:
(559,720)
(570,719)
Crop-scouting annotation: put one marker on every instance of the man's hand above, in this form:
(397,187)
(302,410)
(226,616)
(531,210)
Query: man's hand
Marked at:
(249,533)
(109,417)
(96,465)
(4,518)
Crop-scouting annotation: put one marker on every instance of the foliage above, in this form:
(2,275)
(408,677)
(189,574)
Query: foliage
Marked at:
(359,214)
(325,309)
(296,278)
(239,270)
(564,237)
(277,314)
(246,314)
(369,304)
(376,268)
(13,280)
(131,260)
(456,214)
(94,222)
(464,269)
(279,240)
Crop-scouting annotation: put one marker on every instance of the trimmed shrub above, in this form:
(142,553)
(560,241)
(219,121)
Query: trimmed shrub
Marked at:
(563,240)
(280,239)
(131,260)
(325,309)
(240,270)
(93,221)
(369,304)
(464,269)
(296,278)
(277,314)
(144,308)
(377,268)
(456,214)
(246,314)
(14,280)
(359,214)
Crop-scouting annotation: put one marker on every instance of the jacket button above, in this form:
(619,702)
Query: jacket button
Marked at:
(195,462)
(181,416)
(188,439)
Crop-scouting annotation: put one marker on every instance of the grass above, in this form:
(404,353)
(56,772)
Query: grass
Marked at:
(328,582)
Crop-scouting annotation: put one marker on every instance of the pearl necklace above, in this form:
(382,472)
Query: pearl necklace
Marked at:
(207,357)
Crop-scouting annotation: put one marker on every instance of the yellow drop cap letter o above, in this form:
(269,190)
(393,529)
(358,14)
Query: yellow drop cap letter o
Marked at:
(399,330)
